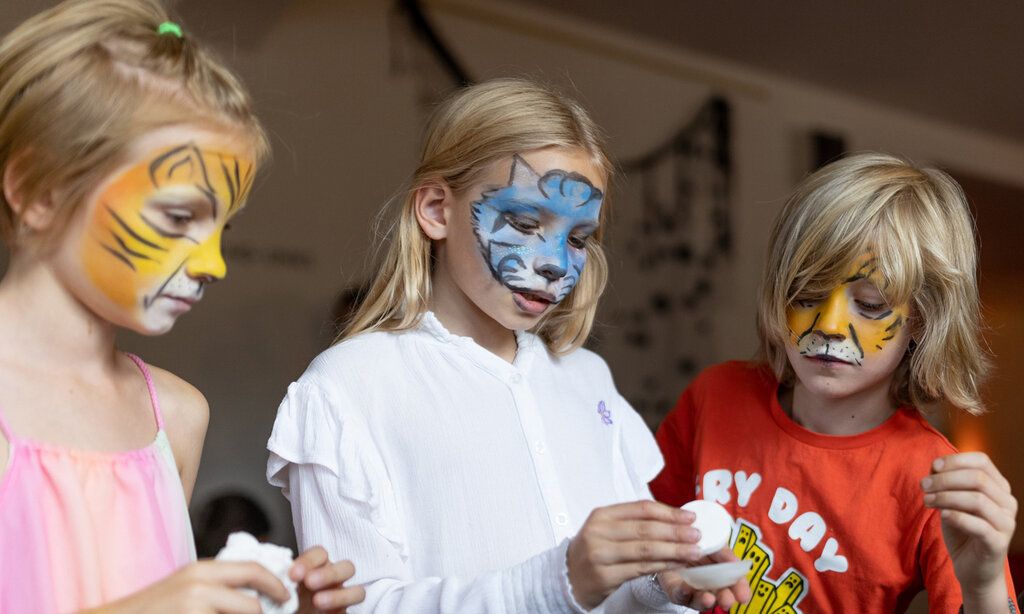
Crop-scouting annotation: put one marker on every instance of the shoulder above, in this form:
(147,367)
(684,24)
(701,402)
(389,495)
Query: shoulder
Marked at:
(583,362)
(365,356)
(184,408)
(920,436)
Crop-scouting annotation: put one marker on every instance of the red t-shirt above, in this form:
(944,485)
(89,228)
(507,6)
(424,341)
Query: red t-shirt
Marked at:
(831,523)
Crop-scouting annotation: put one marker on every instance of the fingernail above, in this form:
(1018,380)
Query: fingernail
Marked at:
(926,483)
(929,499)
(937,464)
(696,535)
(687,516)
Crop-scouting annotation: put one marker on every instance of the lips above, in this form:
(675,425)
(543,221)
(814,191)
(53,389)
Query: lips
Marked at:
(187,301)
(534,302)
(828,359)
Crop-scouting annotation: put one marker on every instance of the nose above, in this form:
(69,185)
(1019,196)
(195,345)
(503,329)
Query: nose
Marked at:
(550,272)
(554,262)
(207,262)
(834,319)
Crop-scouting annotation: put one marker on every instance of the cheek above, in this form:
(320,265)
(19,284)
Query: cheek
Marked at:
(799,320)
(877,336)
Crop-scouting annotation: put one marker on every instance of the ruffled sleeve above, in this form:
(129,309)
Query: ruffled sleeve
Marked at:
(320,432)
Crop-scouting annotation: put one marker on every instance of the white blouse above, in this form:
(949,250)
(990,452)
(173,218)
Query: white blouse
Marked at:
(454,479)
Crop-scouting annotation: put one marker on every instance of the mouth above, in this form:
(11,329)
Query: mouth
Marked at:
(185,302)
(828,359)
(532,301)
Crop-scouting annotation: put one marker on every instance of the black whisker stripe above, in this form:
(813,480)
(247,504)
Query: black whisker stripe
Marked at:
(209,191)
(809,328)
(856,341)
(896,324)
(118,255)
(131,232)
(883,316)
(887,338)
(148,300)
(127,250)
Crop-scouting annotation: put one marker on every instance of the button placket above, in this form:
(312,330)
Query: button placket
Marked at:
(543,463)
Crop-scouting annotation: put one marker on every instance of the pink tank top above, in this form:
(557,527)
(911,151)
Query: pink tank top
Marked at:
(82,528)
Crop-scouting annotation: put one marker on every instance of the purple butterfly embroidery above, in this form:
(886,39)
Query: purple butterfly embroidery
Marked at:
(606,414)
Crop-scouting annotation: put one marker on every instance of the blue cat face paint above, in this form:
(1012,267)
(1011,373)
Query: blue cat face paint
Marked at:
(533,232)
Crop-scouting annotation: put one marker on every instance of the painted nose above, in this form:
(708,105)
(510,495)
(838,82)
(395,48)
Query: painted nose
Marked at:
(554,261)
(550,272)
(207,262)
(834,317)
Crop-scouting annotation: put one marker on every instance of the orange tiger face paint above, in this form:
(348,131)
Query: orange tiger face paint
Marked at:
(153,239)
(850,337)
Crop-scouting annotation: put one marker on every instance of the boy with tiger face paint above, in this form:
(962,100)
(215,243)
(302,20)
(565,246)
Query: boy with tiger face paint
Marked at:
(151,238)
(845,498)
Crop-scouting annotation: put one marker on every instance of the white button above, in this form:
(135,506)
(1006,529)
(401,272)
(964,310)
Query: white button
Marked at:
(561,519)
(516,378)
(540,447)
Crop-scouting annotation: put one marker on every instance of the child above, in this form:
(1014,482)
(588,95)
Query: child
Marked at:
(455,452)
(124,151)
(869,310)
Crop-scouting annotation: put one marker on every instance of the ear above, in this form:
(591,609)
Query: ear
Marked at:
(36,214)
(430,203)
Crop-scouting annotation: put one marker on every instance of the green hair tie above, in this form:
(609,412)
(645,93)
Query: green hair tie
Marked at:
(169,27)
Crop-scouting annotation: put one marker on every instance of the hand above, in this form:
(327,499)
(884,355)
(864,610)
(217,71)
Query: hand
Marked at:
(625,541)
(681,593)
(204,587)
(978,518)
(321,582)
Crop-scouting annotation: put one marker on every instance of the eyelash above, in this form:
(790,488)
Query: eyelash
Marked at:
(523,225)
(178,219)
(871,306)
(578,242)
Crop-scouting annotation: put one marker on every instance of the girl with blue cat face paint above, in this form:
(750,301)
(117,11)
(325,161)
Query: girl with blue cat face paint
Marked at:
(457,440)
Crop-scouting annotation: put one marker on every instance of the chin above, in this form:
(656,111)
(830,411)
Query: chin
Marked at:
(152,327)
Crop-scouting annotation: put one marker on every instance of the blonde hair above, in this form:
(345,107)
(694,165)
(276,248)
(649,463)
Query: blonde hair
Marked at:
(917,223)
(81,81)
(474,128)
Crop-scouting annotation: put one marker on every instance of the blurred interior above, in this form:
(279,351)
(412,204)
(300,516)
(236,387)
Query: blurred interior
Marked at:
(713,110)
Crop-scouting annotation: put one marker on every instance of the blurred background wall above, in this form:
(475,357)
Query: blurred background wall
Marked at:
(344,87)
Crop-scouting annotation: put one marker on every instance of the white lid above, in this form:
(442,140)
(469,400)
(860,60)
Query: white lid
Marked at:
(714,524)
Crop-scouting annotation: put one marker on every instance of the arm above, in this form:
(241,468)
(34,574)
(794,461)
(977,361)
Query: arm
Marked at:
(978,516)
(345,526)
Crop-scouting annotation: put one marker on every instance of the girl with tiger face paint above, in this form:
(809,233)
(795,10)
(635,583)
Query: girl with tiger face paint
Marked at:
(125,149)
(152,234)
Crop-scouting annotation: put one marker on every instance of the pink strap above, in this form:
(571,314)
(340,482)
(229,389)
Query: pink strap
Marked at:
(152,389)
(6,429)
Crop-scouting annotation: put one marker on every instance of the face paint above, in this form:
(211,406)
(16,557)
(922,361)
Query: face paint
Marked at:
(532,233)
(851,323)
(154,239)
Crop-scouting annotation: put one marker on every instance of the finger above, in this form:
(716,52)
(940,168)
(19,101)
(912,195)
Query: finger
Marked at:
(310,559)
(971,460)
(339,598)
(227,600)
(246,575)
(725,555)
(631,530)
(970,479)
(978,529)
(615,575)
(973,503)
(643,510)
(329,575)
(616,553)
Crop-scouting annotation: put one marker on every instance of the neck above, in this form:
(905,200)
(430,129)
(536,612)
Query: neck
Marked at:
(43,323)
(849,415)
(462,317)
